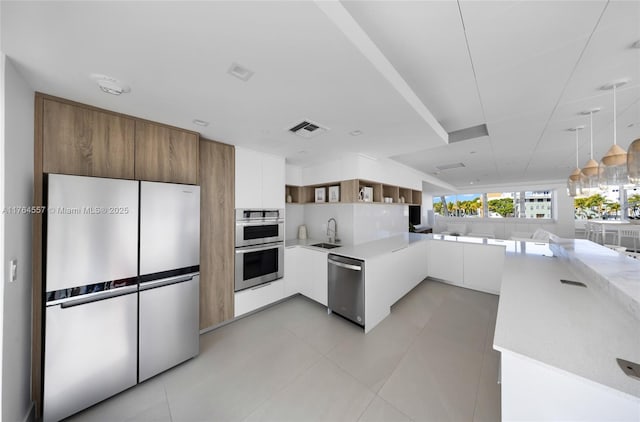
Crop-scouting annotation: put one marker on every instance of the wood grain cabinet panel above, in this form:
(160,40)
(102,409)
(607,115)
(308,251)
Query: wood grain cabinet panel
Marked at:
(86,142)
(217,224)
(164,154)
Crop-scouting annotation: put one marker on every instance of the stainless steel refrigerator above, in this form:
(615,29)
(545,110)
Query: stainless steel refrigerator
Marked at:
(121,286)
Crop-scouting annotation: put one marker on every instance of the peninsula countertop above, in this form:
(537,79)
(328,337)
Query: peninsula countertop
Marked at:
(367,250)
(567,328)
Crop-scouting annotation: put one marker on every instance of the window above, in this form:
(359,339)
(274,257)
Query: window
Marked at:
(632,203)
(605,205)
(526,204)
(462,205)
(501,204)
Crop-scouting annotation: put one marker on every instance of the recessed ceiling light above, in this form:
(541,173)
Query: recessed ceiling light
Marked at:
(200,122)
(110,85)
(355,133)
(240,72)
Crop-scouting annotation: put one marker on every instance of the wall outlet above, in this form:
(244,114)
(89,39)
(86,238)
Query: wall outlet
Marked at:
(13,270)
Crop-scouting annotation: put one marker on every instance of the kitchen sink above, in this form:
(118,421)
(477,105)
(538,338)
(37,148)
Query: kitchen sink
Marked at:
(325,245)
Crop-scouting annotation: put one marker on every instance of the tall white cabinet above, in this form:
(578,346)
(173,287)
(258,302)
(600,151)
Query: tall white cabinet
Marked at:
(260,179)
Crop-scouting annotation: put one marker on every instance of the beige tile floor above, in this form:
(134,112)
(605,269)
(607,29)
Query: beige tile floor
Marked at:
(430,360)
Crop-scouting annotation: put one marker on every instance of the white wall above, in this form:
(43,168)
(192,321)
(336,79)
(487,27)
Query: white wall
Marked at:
(377,221)
(355,166)
(18,191)
(293,175)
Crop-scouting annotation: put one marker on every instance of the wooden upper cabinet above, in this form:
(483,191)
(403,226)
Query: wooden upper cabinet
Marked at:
(86,142)
(165,154)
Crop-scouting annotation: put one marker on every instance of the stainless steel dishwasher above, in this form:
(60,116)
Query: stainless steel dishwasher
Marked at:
(346,287)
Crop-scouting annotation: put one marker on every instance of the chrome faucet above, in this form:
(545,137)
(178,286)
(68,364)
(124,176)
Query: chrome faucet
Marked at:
(332,233)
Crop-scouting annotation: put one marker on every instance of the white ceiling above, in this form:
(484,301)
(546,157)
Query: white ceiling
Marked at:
(525,68)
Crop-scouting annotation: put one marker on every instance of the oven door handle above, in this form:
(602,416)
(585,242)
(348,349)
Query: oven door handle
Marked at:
(260,223)
(245,249)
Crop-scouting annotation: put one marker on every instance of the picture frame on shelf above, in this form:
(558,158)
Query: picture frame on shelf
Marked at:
(334,193)
(320,195)
(368,194)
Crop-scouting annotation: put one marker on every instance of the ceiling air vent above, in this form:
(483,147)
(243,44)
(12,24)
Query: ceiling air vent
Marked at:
(308,129)
(468,133)
(450,166)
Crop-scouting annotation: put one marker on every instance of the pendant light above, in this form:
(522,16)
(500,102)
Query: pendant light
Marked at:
(633,163)
(574,182)
(590,171)
(613,166)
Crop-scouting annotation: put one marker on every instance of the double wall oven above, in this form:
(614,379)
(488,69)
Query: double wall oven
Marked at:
(259,247)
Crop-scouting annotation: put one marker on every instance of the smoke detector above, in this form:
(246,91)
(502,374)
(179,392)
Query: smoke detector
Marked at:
(308,129)
(110,85)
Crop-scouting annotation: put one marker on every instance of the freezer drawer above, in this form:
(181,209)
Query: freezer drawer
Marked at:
(169,227)
(169,323)
(92,230)
(90,351)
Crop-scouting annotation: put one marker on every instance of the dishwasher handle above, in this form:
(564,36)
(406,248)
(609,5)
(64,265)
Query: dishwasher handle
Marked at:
(165,282)
(107,294)
(343,265)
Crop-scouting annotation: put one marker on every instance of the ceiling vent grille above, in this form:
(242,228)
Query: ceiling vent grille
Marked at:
(450,166)
(308,129)
(468,133)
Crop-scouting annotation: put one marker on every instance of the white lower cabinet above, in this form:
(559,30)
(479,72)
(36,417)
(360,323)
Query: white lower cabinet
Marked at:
(483,267)
(476,266)
(256,297)
(446,260)
(312,274)
(291,271)
(320,271)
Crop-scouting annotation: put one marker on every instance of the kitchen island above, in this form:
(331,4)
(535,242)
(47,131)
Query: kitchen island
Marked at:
(559,342)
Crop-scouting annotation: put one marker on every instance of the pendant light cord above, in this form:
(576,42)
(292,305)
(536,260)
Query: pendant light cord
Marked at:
(577,162)
(614,115)
(591,131)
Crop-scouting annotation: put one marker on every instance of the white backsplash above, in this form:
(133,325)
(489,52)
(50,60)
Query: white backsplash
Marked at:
(316,217)
(357,223)
(294,217)
(372,222)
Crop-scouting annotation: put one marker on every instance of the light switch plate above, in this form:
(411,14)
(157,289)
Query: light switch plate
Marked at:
(13,270)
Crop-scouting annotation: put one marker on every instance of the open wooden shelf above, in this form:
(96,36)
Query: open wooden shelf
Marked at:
(353,191)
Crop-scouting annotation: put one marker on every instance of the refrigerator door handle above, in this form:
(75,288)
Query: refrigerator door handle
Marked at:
(247,249)
(165,282)
(94,297)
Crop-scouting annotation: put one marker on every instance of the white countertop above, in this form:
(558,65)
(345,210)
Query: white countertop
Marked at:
(570,329)
(365,250)
(618,275)
(380,247)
